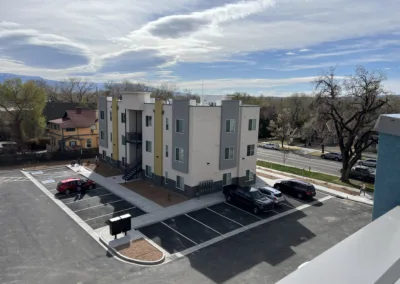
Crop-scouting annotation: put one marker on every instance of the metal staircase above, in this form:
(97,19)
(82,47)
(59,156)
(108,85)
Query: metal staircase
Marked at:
(133,171)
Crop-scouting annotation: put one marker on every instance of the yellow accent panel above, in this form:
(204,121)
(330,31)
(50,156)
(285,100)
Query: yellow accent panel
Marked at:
(158,138)
(115,135)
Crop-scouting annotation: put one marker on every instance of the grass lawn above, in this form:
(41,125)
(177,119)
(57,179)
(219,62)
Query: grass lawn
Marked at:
(314,175)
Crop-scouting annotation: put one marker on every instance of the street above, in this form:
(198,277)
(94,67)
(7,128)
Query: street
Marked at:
(303,162)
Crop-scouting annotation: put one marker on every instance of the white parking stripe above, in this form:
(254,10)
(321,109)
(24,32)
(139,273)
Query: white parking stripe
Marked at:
(178,233)
(109,214)
(203,224)
(224,217)
(98,205)
(87,198)
(243,211)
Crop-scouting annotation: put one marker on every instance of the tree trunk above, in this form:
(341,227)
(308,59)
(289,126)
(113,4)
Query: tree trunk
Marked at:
(283,140)
(345,170)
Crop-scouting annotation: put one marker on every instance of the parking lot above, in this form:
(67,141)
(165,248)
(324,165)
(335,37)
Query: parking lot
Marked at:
(95,206)
(187,230)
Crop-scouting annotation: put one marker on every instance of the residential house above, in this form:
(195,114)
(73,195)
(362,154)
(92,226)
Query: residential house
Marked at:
(76,129)
(187,147)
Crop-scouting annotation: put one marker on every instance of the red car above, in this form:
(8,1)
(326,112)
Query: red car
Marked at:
(71,184)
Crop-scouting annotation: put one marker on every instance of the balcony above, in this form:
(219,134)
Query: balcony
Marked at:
(133,137)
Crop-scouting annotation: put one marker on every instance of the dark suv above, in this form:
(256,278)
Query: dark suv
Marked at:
(363,173)
(298,188)
(249,198)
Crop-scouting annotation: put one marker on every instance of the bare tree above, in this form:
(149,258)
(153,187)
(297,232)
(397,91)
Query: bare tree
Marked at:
(188,95)
(165,91)
(353,106)
(281,128)
(76,90)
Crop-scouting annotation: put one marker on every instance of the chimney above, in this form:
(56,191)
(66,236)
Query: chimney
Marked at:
(78,110)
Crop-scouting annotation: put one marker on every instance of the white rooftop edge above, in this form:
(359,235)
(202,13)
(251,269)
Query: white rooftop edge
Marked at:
(371,255)
(388,124)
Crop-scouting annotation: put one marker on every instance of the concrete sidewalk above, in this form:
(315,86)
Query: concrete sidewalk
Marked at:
(367,199)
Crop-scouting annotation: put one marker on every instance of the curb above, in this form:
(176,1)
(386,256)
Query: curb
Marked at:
(132,260)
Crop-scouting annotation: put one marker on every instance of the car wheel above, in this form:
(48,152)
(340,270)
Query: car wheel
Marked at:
(256,211)
(323,157)
(67,191)
(300,195)
(228,198)
(337,159)
(278,187)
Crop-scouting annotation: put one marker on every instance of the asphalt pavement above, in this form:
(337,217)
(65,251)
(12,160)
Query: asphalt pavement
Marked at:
(300,161)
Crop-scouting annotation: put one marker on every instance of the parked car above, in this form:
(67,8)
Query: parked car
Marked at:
(298,188)
(270,146)
(8,147)
(69,185)
(332,156)
(249,198)
(368,163)
(363,173)
(273,194)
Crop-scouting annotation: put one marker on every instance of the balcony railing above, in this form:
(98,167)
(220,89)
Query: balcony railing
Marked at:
(133,137)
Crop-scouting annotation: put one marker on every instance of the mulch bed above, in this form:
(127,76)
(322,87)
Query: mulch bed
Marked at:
(140,250)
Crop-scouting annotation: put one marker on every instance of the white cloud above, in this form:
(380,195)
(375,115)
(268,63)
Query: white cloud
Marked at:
(304,50)
(290,53)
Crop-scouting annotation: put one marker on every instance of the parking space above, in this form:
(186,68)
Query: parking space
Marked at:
(95,206)
(187,230)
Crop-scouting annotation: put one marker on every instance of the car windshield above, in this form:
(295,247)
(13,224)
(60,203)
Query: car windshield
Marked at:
(256,194)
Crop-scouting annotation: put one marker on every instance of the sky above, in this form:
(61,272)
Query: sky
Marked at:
(215,47)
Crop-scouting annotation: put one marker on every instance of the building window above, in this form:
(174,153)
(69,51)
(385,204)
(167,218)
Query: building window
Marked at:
(123,140)
(230,125)
(226,179)
(110,115)
(148,171)
(250,150)
(252,124)
(149,120)
(249,175)
(110,136)
(179,125)
(104,155)
(72,143)
(148,146)
(179,182)
(70,129)
(229,153)
(102,114)
(101,135)
(89,143)
(123,117)
(123,161)
(166,123)
(166,151)
(179,154)
(166,178)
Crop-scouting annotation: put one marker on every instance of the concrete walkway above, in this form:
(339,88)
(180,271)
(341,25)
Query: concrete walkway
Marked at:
(367,199)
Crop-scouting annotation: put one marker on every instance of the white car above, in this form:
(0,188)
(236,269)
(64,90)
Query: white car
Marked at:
(368,163)
(270,146)
(273,194)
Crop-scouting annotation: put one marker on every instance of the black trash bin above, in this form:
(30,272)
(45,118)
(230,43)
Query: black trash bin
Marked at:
(115,226)
(126,223)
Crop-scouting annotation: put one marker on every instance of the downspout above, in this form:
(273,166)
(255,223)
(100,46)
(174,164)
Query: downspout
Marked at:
(126,146)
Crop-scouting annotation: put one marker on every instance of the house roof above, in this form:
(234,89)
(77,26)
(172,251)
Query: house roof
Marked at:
(75,119)
(54,110)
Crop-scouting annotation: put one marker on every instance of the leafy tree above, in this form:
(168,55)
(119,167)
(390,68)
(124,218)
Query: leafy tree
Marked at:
(281,128)
(24,104)
(352,105)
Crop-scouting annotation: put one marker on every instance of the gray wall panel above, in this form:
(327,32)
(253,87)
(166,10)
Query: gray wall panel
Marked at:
(180,110)
(103,122)
(229,110)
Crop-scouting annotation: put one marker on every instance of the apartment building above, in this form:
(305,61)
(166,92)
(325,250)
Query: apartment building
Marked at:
(186,147)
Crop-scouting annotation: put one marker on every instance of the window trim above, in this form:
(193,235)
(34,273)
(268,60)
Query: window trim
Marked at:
(166,123)
(224,181)
(146,173)
(183,154)
(123,139)
(181,186)
(102,134)
(166,151)
(102,114)
(87,140)
(249,151)
(176,126)
(230,125)
(233,153)
(251,124)
(149,121)
(123,117)
(250,177)
(151,146)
